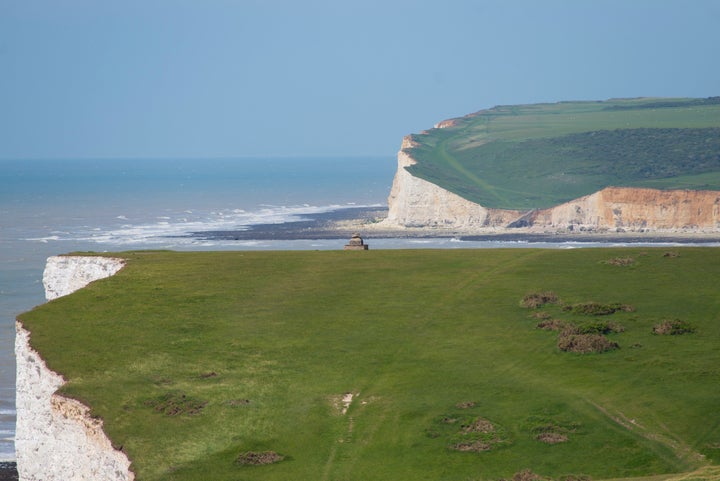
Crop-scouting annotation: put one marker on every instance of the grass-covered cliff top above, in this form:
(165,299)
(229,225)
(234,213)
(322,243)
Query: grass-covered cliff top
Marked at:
(537,156)
(206,365)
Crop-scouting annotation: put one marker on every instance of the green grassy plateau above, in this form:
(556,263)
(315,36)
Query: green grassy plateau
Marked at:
(541,155)
(200,363)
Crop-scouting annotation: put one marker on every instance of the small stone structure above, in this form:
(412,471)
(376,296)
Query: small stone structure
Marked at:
(356,244)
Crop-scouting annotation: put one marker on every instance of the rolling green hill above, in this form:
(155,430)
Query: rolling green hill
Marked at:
(538,156)
(204,365)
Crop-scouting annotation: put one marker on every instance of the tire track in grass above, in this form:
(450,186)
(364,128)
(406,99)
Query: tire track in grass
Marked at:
(682,450)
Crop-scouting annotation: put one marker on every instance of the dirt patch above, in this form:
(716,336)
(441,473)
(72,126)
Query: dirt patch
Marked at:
(342,402)
(472,446)
(465,405)
(479,425)
(258,458)
(552,438)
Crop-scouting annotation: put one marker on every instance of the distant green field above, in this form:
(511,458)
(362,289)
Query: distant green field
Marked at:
(198,362)
(537,156)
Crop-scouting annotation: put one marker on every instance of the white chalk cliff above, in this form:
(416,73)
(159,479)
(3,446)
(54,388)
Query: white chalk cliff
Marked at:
(56,437)
(414,202)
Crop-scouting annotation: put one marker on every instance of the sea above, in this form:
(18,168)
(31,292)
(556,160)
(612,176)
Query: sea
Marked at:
(50,207)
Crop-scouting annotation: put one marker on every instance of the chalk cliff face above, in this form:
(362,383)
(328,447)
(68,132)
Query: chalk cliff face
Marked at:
(56,438)
(64,275)
(414,202)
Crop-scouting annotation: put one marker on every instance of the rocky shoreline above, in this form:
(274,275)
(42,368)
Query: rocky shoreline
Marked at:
(8,471)
(342,223)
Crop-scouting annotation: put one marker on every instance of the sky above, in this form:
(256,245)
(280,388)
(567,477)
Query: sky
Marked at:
(231,78)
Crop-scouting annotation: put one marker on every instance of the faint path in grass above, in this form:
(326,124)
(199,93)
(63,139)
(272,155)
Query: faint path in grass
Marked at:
(682,450)
(344,439)
(707,473)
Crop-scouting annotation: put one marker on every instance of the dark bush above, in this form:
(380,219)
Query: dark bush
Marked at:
(673,327)
(585,343)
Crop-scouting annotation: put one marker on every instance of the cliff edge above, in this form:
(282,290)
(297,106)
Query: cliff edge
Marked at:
(57,439)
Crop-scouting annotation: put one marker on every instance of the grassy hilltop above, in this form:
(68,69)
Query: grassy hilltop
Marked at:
(541,155)
(206,365)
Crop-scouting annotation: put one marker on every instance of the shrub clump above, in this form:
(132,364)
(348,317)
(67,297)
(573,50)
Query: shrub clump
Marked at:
(620,261)
(600,327)
(258,458)
(597,309)
(476,434)
(553,325)
(673,327)
(585,343)
(538,299)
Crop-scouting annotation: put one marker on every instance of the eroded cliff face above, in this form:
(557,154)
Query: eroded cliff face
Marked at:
(57,439)
(636,209)
(414,202)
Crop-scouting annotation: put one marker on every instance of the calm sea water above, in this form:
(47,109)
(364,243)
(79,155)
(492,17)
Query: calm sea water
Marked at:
(55,207)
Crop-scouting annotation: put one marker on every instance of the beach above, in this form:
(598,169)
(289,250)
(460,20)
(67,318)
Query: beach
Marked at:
(342,223)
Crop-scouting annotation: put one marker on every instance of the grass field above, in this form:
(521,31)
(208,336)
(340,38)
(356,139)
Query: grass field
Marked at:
(201,362)
(538,156)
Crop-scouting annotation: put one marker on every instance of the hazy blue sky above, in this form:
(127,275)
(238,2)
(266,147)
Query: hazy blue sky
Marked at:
(199,78)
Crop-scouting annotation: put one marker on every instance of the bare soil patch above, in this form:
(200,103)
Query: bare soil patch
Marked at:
(258,458)
(552,438)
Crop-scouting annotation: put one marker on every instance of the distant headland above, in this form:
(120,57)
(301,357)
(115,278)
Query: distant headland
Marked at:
(643,165)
